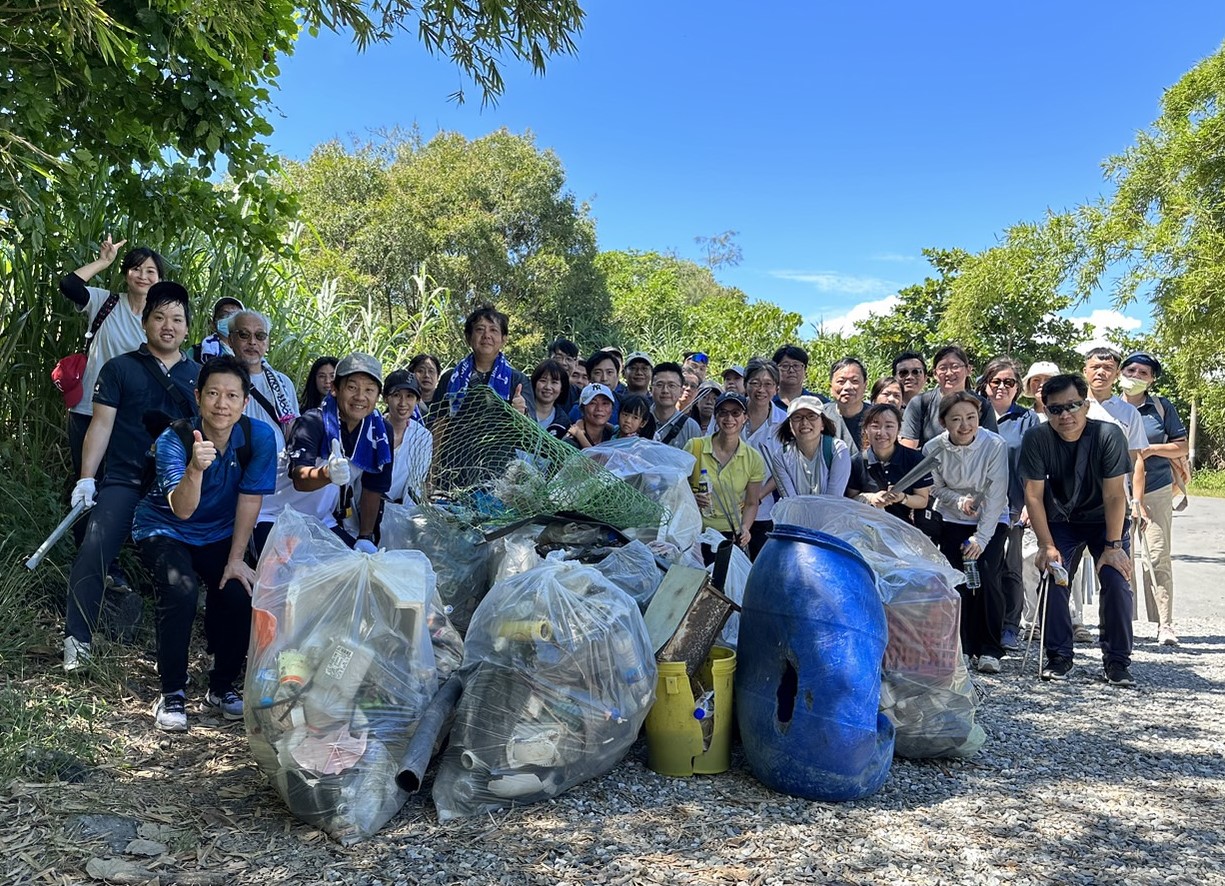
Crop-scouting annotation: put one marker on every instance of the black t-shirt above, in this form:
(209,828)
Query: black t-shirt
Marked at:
(921,418)
(126,384)
(1046,456)
(305,444)
(866,478)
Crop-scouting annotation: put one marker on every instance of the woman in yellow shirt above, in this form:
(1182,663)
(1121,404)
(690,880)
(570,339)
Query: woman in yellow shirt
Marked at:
(734,469)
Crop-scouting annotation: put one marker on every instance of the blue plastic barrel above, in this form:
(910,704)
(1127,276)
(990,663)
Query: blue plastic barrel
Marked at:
(812,636)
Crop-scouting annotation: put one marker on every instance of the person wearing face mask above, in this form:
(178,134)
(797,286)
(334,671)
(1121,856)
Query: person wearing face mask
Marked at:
(217,342)
(1167,443)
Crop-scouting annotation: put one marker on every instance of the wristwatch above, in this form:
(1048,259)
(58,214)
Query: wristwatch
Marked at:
(1116,544)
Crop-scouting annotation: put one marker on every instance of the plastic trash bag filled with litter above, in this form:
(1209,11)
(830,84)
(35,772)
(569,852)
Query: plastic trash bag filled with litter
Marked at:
(925,687)
(458,553)
(633,569)
(661,473)
(346,651)
(558,678)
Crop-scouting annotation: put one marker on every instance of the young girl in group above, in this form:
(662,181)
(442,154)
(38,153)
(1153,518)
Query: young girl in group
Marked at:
(635,416)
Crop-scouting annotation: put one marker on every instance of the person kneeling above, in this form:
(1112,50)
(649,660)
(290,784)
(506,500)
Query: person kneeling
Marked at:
(193,527)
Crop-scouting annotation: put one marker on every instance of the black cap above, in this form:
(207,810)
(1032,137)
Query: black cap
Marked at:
(1144,358)
(732,397)
(401,380)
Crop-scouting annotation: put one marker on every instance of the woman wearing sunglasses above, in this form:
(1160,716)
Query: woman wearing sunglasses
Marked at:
(1000,385)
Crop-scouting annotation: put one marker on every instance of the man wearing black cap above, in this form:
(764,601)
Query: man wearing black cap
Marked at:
(1167,444)
(342,451)
(155,378)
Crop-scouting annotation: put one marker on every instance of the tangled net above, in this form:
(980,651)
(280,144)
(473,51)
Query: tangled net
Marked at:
(493,466)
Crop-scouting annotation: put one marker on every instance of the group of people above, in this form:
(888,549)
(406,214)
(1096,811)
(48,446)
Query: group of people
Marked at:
(194,453)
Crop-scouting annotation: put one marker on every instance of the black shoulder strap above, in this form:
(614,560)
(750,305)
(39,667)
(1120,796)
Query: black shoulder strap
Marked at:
(265,403)
(186,407)
(103,312)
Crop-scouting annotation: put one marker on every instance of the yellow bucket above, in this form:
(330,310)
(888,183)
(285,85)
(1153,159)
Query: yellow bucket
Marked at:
(674,735)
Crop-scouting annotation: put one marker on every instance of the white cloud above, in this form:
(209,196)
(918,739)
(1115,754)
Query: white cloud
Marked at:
(832,281)
(894,257)
(845,323)
(1103,321)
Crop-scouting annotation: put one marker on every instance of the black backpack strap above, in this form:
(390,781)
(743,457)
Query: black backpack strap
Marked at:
(265,403)
(245,450)
(186,407)
(103,312)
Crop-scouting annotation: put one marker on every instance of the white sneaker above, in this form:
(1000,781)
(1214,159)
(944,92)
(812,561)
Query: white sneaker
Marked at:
(1166,636)
(76,656)
(170,712)
(988,664)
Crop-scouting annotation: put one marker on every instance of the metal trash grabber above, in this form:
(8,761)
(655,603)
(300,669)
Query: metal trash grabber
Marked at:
(1044,583)
(56,534)
(932,460)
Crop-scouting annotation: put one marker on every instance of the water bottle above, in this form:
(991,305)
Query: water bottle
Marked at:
(970,569)
(266,683)
(704,486)
(704,707)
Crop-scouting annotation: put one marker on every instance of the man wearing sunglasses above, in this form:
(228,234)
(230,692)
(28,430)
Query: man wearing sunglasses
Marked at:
(910,369)
(1075,471)
(273,401)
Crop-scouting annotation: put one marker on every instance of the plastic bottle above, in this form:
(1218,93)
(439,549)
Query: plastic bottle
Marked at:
(704,713)
(704,707)
(266,683)
(970,569)
(705,487)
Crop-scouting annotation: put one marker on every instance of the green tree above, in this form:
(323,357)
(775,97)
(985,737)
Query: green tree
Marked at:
(490,218)
(1163,231)
(665,305)
(1007,299)
(913,324)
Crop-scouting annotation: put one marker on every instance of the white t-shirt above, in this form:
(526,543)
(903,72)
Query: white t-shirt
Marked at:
(760,439)
(411,462)
(119,333)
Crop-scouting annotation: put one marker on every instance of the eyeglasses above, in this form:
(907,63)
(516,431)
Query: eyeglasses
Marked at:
(803,418)
(946,368)
(791,367)
(760,383)
(1009,383)
(666,385)
(245,335)
(1061,408)
(907,373)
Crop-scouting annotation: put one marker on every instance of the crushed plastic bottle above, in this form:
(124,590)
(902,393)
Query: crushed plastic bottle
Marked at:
(970,569)
(705,487)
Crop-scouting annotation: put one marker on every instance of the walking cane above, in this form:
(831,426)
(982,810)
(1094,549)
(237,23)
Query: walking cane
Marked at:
(1044,583)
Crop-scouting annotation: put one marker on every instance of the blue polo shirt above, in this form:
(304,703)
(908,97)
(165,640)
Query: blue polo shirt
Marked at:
(223,482)
(1157,471)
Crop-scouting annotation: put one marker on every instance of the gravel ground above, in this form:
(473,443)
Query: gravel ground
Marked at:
(1078,783)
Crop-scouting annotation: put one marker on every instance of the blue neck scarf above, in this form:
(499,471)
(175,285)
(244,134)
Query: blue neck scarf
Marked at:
(499,379)
(373,449)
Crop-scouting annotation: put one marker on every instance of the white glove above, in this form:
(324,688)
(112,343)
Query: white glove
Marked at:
(365,546)
(339,469)
(85,492)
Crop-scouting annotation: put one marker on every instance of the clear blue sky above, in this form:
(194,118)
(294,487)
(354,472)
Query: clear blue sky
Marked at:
(838,139)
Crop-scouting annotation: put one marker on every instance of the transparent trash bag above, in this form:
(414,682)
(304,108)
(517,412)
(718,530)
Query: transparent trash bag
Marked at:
(558,678)
(346,651)
(633,569)
(925,687)
(515,553)
(661,473)
(738,566)
(458,553)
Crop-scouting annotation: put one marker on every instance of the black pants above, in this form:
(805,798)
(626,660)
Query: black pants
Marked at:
(758,536)
(1114,594)
(982,609)
(1012,578)
(78,425)
(178,569)
(106,526)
